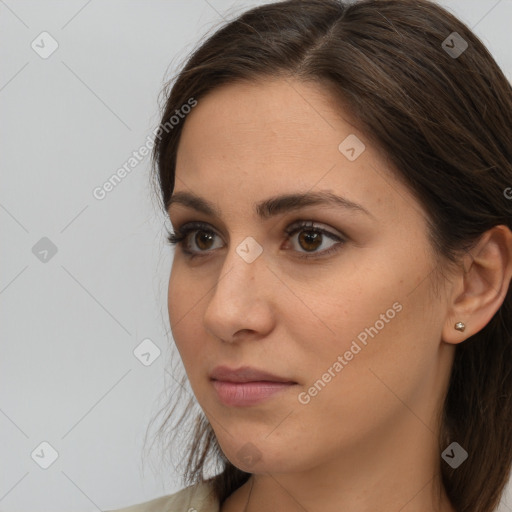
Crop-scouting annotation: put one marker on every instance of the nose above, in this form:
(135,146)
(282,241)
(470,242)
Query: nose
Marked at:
(241,300)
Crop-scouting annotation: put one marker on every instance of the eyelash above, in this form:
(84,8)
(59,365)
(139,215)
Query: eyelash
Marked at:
(181,234)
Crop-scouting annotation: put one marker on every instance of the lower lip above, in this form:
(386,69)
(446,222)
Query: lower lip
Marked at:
(240,394)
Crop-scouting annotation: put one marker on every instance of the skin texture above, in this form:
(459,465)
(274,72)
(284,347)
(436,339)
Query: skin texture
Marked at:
(368,439)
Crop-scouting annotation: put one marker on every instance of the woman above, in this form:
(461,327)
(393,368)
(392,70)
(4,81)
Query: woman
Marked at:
(339,178)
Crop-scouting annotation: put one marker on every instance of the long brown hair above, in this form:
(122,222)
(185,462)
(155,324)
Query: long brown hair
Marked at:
(440,109)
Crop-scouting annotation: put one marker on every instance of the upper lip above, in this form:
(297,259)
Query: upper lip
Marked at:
(244,374)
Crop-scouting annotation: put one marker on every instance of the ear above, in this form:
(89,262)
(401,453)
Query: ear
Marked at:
(480,290)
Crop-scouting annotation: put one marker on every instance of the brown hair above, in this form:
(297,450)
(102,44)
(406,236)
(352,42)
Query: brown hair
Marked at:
(444,121)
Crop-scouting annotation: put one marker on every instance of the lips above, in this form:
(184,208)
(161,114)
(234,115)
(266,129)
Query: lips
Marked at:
(245,374)
(246,386)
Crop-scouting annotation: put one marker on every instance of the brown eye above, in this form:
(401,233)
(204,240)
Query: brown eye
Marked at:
(195,234)
(310,240)
(203,240)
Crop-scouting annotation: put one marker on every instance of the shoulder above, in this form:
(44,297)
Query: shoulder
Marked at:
(195,498)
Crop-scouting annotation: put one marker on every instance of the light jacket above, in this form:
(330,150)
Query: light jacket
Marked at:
(195,498)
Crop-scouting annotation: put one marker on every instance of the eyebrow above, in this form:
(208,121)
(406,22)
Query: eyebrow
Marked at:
(274,205)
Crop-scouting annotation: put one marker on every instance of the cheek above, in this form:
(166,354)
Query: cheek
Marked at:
(388,340)
(374,309)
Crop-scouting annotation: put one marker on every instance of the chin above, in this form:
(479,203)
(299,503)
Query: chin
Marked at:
(259,456)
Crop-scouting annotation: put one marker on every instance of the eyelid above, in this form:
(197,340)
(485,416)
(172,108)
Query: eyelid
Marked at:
(301,223)
(183,231)
(314,226)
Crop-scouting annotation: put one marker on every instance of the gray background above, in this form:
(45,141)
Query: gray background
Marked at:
(71,322)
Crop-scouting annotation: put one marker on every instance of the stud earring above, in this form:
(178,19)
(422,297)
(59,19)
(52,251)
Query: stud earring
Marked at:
(460,326)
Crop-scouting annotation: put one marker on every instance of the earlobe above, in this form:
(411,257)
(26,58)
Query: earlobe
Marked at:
(481,287)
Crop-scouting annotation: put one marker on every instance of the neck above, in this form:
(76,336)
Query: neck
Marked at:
(401,474)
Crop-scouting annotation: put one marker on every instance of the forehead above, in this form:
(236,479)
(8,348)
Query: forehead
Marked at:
(263,120)
(250,141)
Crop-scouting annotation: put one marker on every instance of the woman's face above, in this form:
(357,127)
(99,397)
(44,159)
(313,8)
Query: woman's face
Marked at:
(355,325)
